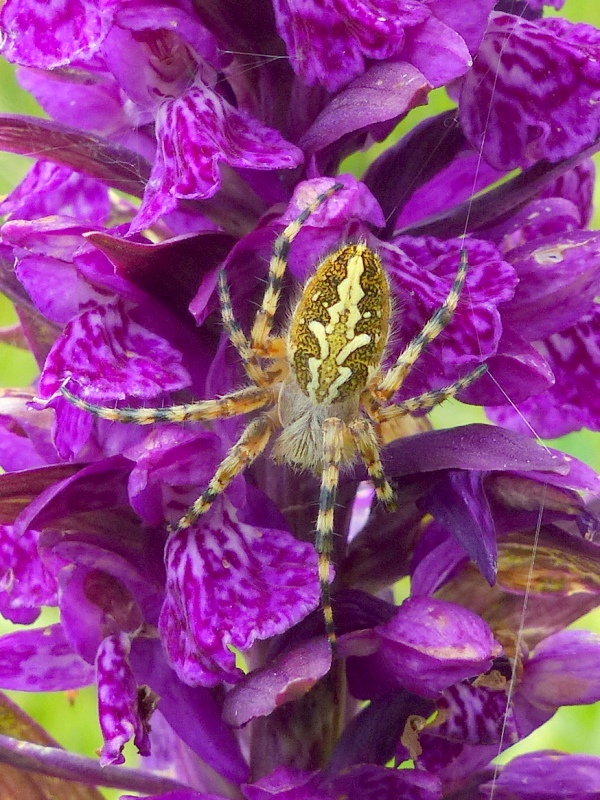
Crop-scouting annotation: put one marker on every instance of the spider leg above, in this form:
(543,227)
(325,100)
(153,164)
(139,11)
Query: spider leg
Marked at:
(248,447)
(367,445)
(231,405)
(428,400)
(334,433)
(263,323)
(236,335)
(393,379)
(388,417)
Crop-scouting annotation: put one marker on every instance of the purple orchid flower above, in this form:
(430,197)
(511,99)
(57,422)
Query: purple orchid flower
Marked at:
(219,123)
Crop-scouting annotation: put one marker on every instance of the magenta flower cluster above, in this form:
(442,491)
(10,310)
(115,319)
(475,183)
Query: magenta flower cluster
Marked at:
(181,137)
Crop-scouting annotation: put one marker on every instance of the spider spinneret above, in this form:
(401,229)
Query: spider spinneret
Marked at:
(321,387)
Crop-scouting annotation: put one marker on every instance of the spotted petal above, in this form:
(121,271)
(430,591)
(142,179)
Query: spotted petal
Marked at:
(516,118)
(25,583)
(228,584)
(118,701)
(55,32)
(196,132)
(41,660)
(110,357)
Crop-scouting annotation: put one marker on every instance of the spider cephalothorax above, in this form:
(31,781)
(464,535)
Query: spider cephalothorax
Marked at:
(320,388)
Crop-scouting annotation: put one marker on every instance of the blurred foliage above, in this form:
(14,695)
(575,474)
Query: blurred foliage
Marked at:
(72,718)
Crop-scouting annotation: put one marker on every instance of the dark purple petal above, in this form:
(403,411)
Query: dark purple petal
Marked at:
(196,132)
(426,647)
(373,734)
(563,670)
(452,184)
(459,503)
(62,491)
(110,357)
(469,18)
(53,33)
(546,775)
(437,51)
(370,782)
(19,489)
(282,680)
(384,94)
(230,583)
(42,660)
(193,713)
(119,711)
(537,99)
(150,266)
(287,783)
(437,556)
(481,447)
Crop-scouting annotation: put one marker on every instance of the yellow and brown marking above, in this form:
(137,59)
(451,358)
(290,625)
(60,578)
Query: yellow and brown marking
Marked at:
(341,324)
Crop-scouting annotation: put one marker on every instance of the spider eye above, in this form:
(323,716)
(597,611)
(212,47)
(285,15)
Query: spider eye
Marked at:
(340,327)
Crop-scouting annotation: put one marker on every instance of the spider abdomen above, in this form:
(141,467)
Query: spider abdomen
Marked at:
(340,327)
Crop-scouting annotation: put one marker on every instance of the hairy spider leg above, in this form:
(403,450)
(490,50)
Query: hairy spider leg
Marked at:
(248,447)
(368,447)
(237,336)
(263,324)
(334,432)
(387,385)
(230,405)
(389,416)
(433,398)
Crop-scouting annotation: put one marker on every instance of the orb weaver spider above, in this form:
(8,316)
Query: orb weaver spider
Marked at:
(321,387)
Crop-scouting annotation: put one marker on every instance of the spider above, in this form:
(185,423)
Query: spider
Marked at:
(321,388)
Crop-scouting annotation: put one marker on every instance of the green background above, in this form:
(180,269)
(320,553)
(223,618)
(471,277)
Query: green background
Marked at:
(72,719)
